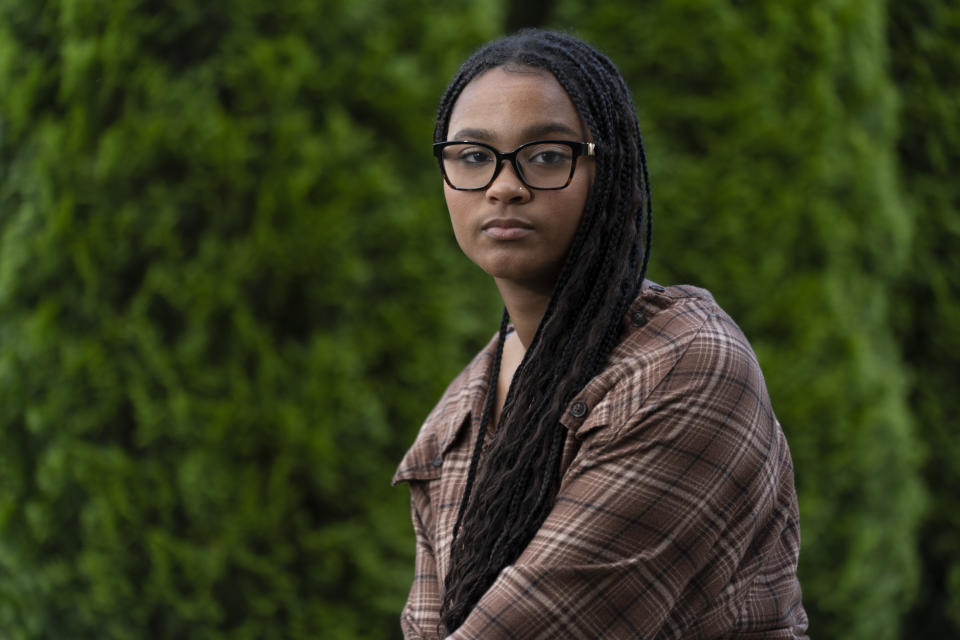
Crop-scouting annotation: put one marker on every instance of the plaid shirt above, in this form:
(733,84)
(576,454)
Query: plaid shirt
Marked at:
(676,516)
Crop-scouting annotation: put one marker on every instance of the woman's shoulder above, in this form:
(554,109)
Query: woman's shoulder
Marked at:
(672,335)
(678,317)
(667,323)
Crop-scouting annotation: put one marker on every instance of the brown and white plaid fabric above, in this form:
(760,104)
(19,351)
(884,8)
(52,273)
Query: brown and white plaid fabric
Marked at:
(677,513)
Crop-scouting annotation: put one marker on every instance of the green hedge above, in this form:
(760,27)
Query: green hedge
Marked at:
(229,293)
(224,268)
(925,60)
(772,132)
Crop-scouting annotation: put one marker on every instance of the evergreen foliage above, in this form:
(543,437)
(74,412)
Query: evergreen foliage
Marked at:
(229,293)
(771,132)
(223,264)
(925,60)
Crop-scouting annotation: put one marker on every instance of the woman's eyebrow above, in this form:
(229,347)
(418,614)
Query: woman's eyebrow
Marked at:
(474,134)
(545,129)
(539,130)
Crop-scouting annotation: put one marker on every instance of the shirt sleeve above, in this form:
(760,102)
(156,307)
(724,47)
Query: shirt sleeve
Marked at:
(665,525)
(419,619)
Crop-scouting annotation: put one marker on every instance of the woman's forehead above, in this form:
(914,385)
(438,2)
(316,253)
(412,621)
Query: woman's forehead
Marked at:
(516,101)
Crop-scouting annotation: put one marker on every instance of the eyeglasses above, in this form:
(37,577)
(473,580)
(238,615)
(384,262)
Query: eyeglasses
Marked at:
(541,164)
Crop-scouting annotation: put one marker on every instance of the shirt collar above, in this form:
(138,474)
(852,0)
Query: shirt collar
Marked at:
(586,411)
(450,417)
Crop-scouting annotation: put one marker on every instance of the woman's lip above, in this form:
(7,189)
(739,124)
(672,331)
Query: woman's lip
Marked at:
(507,228)
(507,233)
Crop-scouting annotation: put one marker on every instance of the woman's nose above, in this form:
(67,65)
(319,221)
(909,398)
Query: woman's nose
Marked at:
(507,186)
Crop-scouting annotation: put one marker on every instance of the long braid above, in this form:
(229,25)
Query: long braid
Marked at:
(484,419)
(512,484)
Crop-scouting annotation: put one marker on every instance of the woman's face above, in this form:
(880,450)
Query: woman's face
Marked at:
(509,230)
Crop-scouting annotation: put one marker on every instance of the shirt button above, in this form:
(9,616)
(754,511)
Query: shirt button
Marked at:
(438,460)
(637,319)
(657,287)
(578,410)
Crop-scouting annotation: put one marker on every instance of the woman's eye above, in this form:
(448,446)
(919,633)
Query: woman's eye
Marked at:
(550,157)
(474,156)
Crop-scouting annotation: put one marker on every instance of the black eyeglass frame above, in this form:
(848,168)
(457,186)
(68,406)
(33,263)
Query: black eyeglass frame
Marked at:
(577,149)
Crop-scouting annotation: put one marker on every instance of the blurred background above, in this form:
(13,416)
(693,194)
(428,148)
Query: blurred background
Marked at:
(229,294)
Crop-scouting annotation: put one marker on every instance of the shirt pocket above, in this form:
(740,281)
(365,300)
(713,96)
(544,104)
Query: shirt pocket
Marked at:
(424,460)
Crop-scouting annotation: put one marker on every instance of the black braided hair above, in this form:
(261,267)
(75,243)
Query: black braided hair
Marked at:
(512,485)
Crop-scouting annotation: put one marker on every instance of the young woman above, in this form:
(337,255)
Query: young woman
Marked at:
(609,466)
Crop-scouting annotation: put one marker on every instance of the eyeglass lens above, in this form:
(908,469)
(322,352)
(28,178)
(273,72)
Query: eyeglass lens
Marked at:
(546,165)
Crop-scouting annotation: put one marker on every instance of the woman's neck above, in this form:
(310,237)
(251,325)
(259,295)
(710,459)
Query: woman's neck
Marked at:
(526,307)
